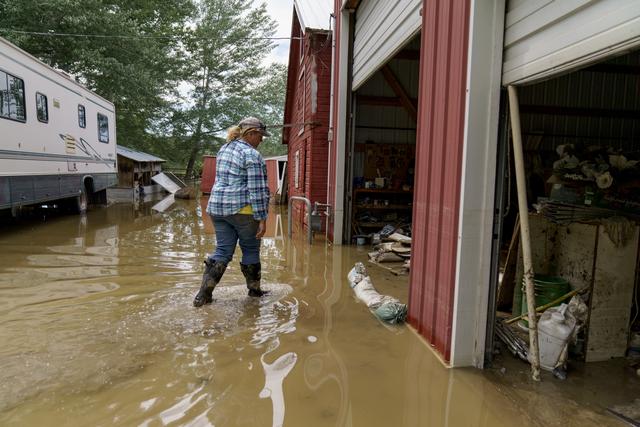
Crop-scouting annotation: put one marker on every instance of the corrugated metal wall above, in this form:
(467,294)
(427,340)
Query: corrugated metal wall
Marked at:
(441,120)
(389,124)
(599,104)
(272,175)
(382,27)
(545,36)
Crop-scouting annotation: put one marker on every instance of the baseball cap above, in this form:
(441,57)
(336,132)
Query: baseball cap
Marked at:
(254,123)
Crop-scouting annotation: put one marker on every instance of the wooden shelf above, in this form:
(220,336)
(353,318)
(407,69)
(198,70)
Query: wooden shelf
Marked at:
(381,190)
(399,202)
(383,207)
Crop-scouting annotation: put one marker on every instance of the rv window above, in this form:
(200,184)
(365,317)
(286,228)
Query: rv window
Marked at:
(12,97)
(82,116)
(42,108)
(103,128)
(4,95)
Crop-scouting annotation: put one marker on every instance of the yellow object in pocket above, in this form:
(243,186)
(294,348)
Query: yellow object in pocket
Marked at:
(247,210)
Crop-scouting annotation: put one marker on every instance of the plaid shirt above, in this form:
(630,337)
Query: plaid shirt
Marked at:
(241,180)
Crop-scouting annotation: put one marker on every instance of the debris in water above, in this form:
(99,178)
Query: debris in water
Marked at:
(164,204)
(514,343)
(185,193)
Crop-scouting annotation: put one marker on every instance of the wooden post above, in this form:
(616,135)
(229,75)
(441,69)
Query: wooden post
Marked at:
(525,236)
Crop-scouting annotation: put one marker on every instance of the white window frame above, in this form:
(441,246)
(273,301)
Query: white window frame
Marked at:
(296,176)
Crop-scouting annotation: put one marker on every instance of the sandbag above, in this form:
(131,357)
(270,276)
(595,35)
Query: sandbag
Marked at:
(384,307)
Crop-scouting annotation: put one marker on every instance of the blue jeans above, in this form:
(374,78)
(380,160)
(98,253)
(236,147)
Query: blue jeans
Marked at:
(233,229)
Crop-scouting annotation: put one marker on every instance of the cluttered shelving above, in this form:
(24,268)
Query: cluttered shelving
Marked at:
(382,188)
(376,207)
(382,217)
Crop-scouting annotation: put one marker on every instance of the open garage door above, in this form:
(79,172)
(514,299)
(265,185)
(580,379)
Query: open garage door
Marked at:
(546,37)
(382,28)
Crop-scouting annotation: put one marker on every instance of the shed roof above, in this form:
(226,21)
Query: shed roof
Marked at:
(279,158)
(314,14)
(137,156)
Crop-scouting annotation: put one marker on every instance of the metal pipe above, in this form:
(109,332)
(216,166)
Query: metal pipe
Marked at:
(326,206)
(307,202)
(525,232)
(330,134)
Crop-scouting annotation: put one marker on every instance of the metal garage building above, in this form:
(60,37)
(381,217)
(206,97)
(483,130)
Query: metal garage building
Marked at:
(468,51)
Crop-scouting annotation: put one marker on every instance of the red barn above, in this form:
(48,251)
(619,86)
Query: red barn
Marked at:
(208,174)
(307,103)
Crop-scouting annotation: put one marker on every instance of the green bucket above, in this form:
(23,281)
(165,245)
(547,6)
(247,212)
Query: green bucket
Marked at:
(547,289)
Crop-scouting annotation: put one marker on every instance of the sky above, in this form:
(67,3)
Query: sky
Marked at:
(282,12)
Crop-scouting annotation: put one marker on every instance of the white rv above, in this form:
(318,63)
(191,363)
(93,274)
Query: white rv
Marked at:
(57,138)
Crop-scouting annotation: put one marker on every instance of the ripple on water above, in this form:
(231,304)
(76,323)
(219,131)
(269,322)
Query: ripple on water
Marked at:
(84,353)
(231,312)
(45,292)
(69,260)
(196,339)
(87,345)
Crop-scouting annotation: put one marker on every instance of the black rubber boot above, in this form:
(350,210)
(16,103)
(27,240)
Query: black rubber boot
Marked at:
(213,272)
(252,274)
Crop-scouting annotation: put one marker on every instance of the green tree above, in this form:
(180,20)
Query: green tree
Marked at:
(224,50)
(267,102)
(131,54)
(138,53)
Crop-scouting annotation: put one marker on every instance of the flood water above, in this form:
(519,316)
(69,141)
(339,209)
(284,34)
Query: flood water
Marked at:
(97,329)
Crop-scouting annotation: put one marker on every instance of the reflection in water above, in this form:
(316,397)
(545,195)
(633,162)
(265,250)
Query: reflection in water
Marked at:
(268,328)
(269,323)
(97,328)
(275,374)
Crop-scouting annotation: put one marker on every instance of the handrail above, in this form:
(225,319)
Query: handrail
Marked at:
(307,202)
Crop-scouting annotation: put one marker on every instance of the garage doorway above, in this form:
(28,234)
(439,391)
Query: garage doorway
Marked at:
(581,142)
(382,149)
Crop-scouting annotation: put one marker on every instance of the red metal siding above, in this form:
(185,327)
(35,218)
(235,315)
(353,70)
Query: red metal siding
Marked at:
(294,106)
(320,66)
(208,174)
(441,118)
(292,79)
(272,176)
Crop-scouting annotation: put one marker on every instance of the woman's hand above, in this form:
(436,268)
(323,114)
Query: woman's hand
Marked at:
(262,227)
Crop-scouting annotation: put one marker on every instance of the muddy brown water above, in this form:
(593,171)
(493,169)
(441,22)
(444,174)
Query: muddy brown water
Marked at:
(97,329)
